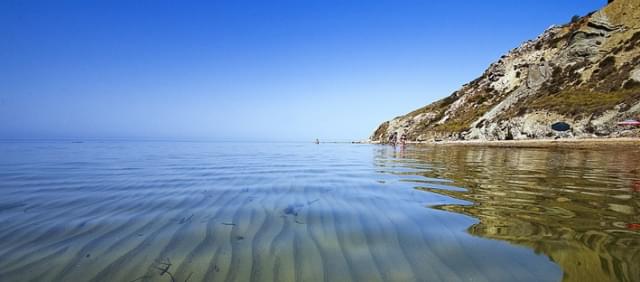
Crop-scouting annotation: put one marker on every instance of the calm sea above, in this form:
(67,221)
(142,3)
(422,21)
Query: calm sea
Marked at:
(189,211)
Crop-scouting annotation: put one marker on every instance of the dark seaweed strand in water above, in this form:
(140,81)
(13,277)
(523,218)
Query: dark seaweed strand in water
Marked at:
(97,241)
(177,239)
(203,248)
(240,250)
(125,259)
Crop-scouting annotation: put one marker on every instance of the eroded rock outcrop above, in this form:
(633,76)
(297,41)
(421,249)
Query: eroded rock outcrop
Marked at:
(585,73)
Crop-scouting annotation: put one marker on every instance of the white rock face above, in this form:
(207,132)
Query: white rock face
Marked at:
(635,74)
(596,54)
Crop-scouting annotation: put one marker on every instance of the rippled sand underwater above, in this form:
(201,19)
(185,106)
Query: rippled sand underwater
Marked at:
(188,211)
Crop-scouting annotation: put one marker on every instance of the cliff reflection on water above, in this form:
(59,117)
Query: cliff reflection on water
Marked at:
(579,207)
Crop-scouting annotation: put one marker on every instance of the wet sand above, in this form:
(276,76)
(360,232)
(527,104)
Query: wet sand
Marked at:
(540,143)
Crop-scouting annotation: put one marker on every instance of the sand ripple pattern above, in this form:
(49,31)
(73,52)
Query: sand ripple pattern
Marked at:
(187,211)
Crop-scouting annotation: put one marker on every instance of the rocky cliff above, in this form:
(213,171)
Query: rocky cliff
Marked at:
(585,73)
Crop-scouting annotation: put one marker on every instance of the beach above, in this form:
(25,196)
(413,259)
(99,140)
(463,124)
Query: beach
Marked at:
(534,143)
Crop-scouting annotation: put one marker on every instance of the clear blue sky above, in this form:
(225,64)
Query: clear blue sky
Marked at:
(246,70)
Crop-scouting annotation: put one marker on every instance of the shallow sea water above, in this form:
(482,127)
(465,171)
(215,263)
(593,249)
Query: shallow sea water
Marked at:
(189,211)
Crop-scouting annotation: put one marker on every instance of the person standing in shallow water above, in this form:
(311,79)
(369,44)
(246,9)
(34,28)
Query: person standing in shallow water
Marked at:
(393,138)
(403,139)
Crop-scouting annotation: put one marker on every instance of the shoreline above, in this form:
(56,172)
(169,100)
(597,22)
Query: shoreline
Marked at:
(536,143)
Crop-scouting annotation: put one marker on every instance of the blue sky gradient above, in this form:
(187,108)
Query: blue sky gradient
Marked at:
(246,70)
